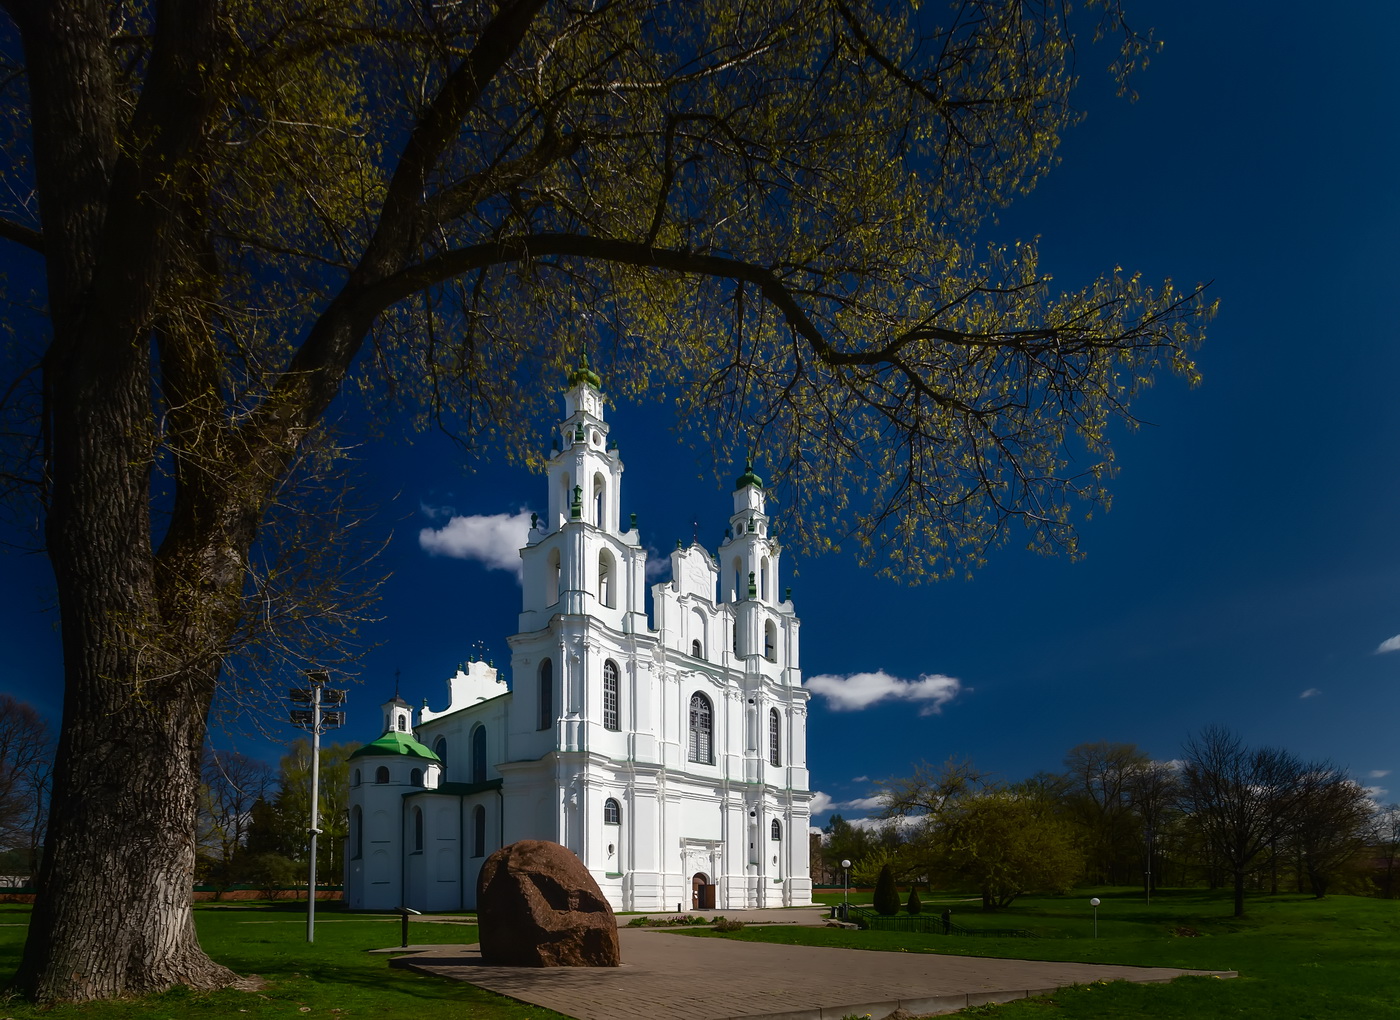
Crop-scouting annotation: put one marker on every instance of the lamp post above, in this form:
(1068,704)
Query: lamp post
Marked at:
(1149,833)
(313,719)
(846,896)
(1094,902)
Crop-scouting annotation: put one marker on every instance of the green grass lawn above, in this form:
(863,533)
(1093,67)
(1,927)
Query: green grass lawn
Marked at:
(334,977)
(1298,958)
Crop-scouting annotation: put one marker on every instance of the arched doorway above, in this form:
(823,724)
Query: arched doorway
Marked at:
(702,893)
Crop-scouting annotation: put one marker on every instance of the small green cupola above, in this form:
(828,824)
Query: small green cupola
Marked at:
(584,374)
(748,477)
(394,744)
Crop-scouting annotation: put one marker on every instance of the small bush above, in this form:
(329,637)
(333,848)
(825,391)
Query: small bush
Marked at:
(886,895)
(914,906)
(723,925)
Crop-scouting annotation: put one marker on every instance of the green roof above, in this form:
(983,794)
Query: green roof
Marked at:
(584,374)
(394,742)
(749,478)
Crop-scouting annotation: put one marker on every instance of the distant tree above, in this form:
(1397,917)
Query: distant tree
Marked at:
(26,762)
(1101,776)
(279,826)
(886,894)
(231,784)
(1240,799)
(1331,819)
(914,905)
(1154,791)
(842,841)
(1384,838)
(1006,844)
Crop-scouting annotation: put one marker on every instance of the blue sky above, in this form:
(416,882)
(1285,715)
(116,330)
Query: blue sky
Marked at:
(1249,570)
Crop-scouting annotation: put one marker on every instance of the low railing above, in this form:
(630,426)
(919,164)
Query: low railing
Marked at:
(927,924)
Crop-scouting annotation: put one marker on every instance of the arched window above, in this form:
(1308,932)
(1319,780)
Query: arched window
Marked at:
(440,749)
(611,715)
(381,774)
(763,579)
(612,812)
(701,730)
(770,641)
(478,831)
(774,737)
(417,830)
(357,832)
(415,778)
(403,724)
(777,829)
(605,579)
(736,593)
(479,755)
(355,779)
(696,650)
(546,695)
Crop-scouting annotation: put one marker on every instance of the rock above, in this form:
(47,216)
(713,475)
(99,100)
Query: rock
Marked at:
(539,907)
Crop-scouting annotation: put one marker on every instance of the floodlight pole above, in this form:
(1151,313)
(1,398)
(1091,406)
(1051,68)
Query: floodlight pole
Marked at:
(846,896)
(315,829)
(313,719)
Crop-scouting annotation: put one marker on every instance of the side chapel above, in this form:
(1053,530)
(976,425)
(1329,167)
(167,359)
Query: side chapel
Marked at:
(670,755)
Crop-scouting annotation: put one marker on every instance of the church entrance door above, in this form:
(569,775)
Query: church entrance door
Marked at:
(702,893)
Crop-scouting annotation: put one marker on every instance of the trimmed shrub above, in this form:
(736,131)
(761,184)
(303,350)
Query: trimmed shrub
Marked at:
(914,906)
(886,895)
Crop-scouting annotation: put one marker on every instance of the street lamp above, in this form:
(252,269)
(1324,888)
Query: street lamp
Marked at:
(846,896)
(1094,902)
(313,719)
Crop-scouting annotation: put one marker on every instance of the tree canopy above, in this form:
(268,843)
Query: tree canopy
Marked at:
(773,214)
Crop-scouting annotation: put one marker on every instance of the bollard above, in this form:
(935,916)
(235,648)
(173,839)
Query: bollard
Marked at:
(405,911)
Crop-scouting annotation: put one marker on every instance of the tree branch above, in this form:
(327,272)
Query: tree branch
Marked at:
(20,234)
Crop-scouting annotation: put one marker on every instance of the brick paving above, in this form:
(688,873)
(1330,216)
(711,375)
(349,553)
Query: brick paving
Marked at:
(665,975)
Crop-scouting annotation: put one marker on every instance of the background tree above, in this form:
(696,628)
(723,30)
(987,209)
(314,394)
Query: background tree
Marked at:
(278,825)
(1240,799)
(26,761)
(886,900)
(232,784)
(774,211)
(1384,838)
(1101,776)
(1005,844)
(914,905)
(1332,817)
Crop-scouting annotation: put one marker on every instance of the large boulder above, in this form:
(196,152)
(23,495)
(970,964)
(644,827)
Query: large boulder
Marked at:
(539,907)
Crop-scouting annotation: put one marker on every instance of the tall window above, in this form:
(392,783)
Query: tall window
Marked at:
(357,832)
(478,831)
(600,490)
(770,642)
(440,749)
(605,579)
(479,755)
(415,778)
(777,829)
(381,774)
(355,781)
(551,579)
(774,737)
(701,730)
(417,829)
(610,696)
(546,695)
(612,812)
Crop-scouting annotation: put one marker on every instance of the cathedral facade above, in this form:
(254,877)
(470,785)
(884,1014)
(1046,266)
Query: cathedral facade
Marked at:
(668,751)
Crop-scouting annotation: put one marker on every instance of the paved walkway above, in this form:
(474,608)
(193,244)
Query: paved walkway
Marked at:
(664,974)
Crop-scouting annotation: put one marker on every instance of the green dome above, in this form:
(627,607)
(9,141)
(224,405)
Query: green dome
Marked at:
(394,742)
(749,478)
(584,374)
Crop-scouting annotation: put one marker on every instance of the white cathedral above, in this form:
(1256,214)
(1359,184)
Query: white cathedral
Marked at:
(671,758)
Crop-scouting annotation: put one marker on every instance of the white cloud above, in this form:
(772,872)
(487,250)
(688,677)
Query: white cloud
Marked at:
(1389,645)
(1377,794)
(823,802)
(820,802)
(493,540)
(855,691)
(861,779)
(1311,692)
(1378,773)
